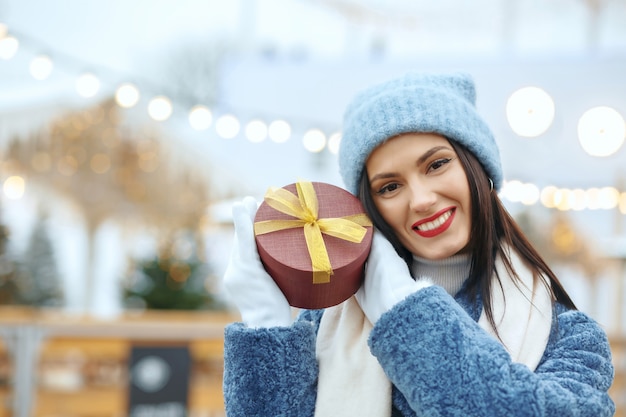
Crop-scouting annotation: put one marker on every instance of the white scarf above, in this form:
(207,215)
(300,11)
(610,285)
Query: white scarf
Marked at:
(351,381)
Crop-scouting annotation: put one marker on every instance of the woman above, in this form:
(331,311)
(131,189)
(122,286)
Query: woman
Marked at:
(458,315)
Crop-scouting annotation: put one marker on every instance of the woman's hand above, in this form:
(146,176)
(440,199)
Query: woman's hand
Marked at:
(251,288)
(387,279)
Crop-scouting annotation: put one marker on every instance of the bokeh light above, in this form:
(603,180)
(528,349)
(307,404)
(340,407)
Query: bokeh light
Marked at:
(578,199)
(87,85)
(279,131)
(8,47)
(314,140)
(127,95)
(548,196)
(200,117)
(601,131)
(256,131)
(333,143)
(41,67)
(608,198)
(14,187)
(160,108)
(530,111)
(519,192)
(227,126)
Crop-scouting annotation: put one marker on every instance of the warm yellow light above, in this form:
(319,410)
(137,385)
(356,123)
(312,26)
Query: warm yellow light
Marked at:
(563,200)
(593,198)
(579,199)
(127,95)
(548,195)
(314,140)
(530,111)
(333,143)
(14,187)
(227,126)
(608,198)
(279,131)
(519,192)
(41,67)
(601,131)
(200,117)
(8,47)
(160,108)
(87,85)
(3,30)
(512,191)
(256,131)
(530,194)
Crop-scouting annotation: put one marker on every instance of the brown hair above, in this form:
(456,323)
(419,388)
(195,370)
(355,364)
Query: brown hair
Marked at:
(492,230)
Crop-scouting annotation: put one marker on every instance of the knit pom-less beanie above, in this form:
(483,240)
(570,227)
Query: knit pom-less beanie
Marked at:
(419,103)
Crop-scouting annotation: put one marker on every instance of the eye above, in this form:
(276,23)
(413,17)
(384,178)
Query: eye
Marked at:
(387,188)
(437,164)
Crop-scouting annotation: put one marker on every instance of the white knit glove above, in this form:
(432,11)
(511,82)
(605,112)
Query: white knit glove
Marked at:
(387,279)
(251,288)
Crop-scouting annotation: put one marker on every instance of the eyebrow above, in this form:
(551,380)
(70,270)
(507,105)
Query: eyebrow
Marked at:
(420,161)
(430,153)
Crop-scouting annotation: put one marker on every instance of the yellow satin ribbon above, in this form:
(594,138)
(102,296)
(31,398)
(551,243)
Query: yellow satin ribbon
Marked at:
(304,207)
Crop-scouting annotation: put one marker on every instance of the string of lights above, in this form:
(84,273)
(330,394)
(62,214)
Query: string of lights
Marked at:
(529,111)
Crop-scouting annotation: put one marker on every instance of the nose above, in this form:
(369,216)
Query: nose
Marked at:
(422,197)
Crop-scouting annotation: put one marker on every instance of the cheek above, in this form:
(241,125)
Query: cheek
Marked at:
(390,211)
(461,189)
(467,202)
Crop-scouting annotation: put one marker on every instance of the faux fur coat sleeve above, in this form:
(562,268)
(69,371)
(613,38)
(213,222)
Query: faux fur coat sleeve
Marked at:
(444,364)
(441,363)
(270,371)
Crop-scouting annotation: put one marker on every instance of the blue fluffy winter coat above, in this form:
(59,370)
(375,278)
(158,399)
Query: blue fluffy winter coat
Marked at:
(440,362)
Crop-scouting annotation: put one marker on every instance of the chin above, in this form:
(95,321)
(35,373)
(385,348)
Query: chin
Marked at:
(443,253)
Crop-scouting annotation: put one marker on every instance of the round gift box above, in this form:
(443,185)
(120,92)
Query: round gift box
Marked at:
(285,256)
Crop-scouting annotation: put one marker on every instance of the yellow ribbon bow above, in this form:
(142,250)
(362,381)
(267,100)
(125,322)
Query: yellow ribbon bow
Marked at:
(304,208)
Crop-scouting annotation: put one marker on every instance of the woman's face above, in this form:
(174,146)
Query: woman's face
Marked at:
(420,188)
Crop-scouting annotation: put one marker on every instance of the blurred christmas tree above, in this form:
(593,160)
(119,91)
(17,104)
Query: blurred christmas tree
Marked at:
(171,281)
(8,288)
(33,281)
(38,279)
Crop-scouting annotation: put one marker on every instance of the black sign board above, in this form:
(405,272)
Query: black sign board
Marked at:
(159,381)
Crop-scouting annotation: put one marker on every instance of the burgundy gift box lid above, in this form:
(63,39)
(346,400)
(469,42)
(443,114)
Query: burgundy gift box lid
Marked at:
(286,258)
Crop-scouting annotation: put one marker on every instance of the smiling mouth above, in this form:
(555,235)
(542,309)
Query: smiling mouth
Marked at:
(437,225)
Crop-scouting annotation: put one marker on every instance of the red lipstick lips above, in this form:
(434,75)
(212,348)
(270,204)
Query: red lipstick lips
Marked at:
(435,224)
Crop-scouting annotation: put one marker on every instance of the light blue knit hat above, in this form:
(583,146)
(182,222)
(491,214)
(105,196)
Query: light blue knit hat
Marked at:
(417,102)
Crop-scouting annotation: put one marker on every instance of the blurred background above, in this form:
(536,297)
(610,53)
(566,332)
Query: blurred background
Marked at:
(128,128)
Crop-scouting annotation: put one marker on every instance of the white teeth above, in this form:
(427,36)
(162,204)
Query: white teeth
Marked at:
(435,223)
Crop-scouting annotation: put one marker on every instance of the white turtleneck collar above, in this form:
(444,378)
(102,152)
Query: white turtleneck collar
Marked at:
(449,273)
